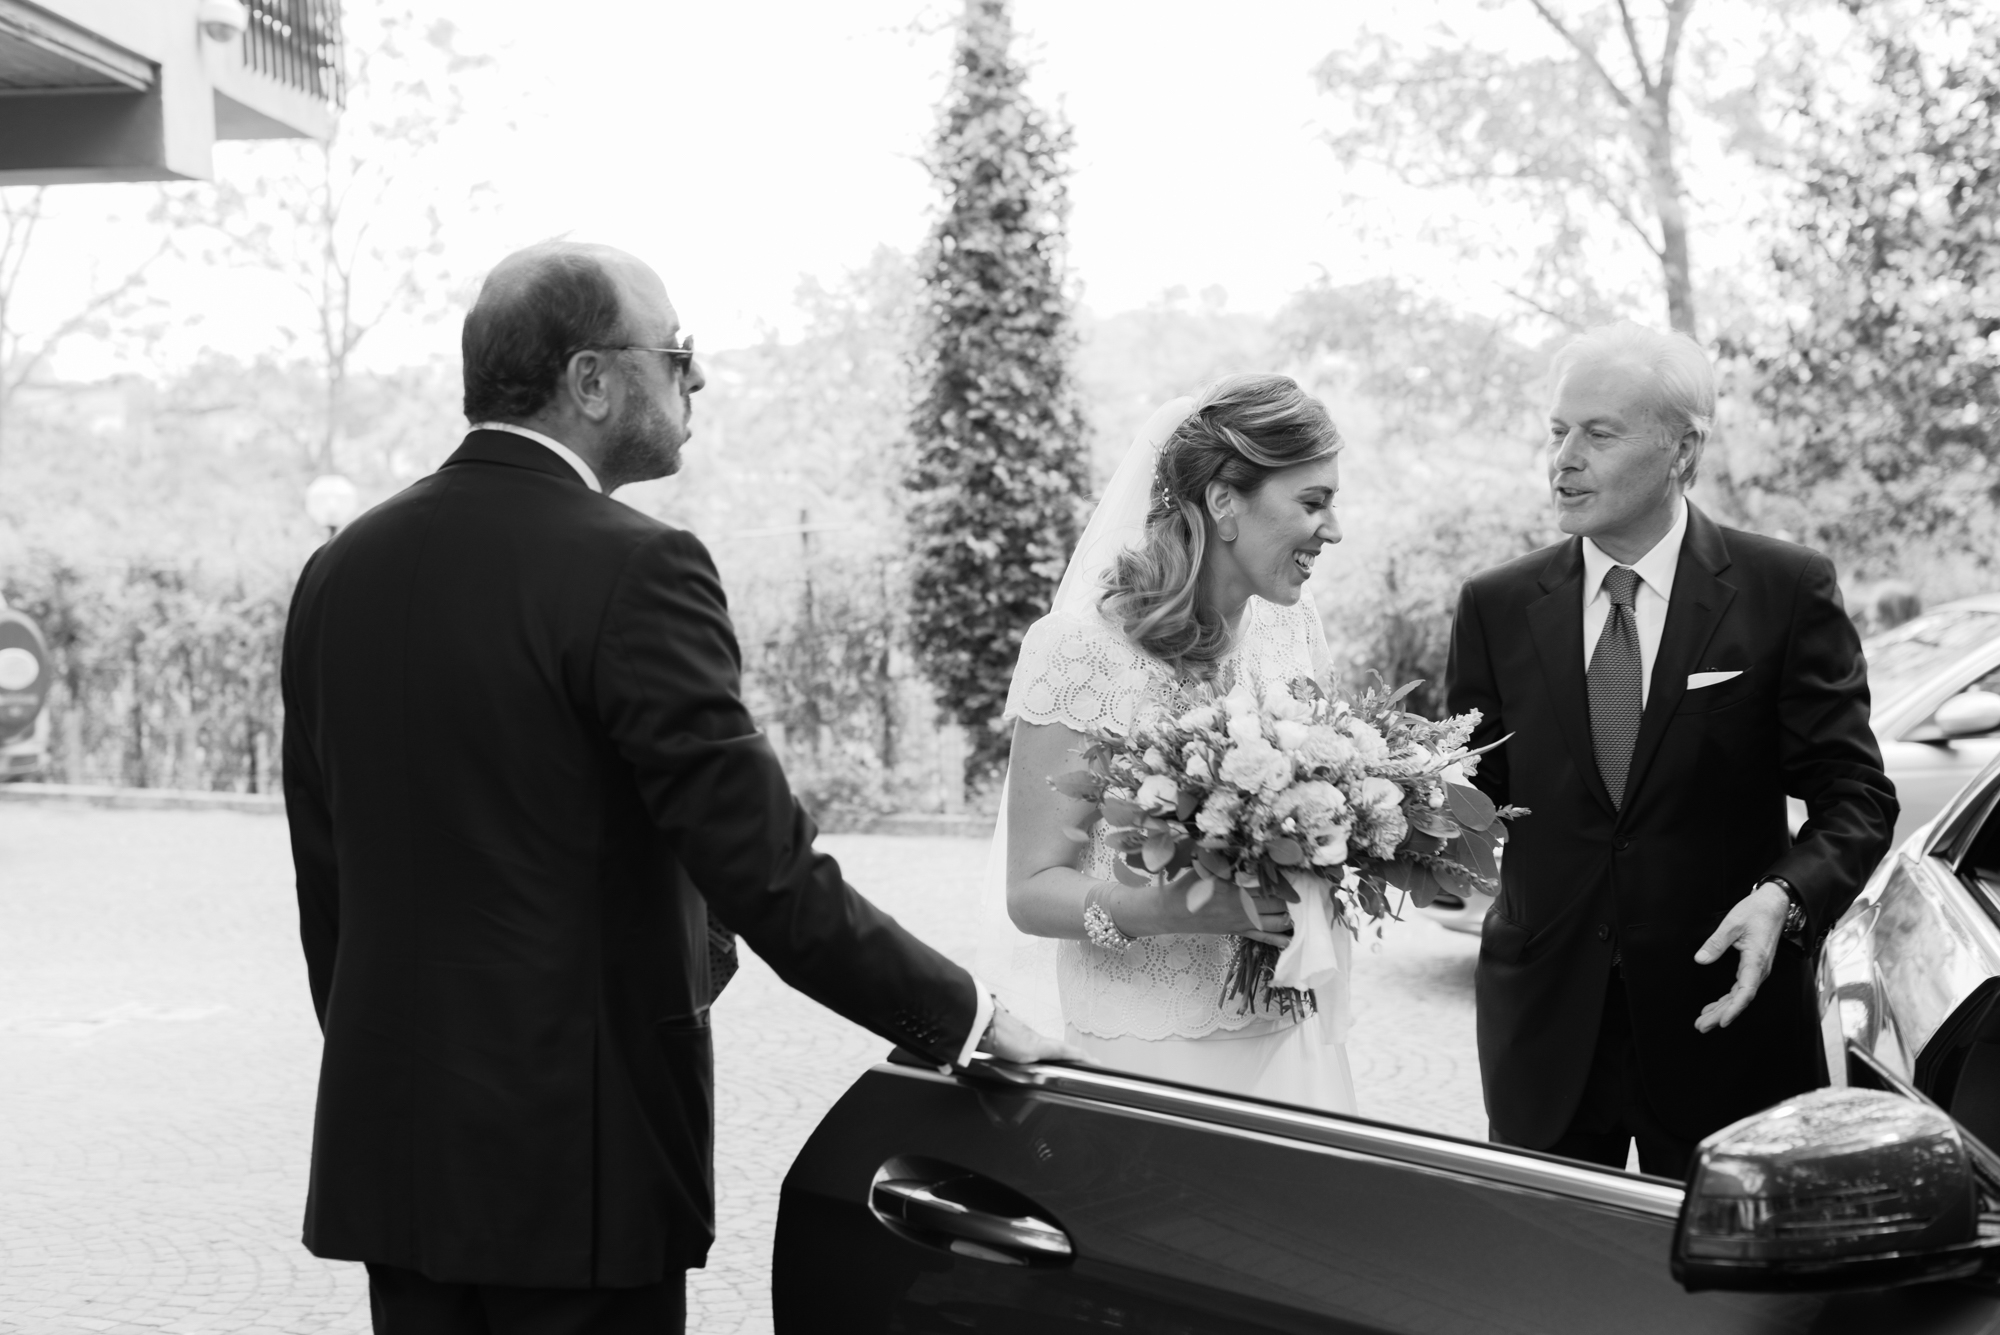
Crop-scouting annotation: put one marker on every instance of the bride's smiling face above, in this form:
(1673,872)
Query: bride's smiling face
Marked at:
(1279,530)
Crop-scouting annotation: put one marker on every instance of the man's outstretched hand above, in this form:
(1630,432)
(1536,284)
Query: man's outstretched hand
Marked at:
(1754,927)
(1012,1041)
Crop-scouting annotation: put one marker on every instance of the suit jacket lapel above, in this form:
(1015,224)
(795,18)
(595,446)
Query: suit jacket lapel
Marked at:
(1700,598)
(1555,620)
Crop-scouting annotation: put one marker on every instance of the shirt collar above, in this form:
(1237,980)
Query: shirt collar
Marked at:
(562,451)
(1655,568)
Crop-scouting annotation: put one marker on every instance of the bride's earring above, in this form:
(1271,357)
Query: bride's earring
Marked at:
(1226,529)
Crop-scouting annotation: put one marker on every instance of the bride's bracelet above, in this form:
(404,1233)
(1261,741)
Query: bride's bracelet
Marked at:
(1098,926)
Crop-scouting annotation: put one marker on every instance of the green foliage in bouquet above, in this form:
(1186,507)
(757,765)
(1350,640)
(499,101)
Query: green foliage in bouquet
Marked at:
(1301,794)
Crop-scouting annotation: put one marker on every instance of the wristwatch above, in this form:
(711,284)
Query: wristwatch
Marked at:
(1795,915)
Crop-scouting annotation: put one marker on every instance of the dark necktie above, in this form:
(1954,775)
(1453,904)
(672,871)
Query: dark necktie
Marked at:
(1615,695)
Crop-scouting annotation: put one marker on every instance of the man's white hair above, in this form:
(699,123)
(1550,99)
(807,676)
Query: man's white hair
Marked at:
(1680,369)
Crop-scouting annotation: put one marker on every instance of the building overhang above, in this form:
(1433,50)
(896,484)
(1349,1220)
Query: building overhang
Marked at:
(138,90)
(41,53)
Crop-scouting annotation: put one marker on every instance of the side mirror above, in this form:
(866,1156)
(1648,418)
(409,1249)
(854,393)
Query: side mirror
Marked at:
(1968,714)
(1835,1189)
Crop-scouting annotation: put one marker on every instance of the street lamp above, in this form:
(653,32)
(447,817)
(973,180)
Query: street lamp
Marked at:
(331,501)
(222,20)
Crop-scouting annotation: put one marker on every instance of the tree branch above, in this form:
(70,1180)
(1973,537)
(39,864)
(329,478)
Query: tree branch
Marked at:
(21,223)
(1677,16)
(1625,215)
(1589,56)
(19,369)
(20,236)
(1594,183)
(1632,43)
(1565,321)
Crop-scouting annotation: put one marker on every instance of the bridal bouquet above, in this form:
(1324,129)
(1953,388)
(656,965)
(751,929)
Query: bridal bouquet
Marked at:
(1343,800)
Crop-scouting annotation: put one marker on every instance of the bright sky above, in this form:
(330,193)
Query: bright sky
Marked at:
(1196,161)
(739,146)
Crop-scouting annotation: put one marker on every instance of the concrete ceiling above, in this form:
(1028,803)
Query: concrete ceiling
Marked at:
(42,53)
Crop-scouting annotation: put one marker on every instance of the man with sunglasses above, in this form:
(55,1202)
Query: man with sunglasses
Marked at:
(523,791)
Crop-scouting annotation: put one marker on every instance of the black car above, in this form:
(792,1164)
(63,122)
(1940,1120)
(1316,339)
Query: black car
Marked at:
(1056,1198)
(1935,710)
(1908,974)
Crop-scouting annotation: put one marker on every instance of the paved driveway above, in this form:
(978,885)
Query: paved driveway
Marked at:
(158,1054)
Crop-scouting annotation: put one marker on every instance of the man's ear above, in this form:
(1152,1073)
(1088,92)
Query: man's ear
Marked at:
(586,383)
(1687,458)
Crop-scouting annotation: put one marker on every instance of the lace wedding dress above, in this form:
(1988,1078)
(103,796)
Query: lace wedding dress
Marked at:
(1156,1007)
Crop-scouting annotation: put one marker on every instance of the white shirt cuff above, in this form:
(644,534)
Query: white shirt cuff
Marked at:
(982,1016)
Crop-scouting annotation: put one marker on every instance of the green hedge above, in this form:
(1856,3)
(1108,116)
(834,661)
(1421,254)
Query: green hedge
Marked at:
(165,677)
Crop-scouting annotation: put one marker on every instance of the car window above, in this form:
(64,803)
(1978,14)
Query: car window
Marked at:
(1904,659)
(1979,865)
(1928,730)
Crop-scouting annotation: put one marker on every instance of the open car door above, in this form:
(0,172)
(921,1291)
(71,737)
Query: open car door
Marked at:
(1055,1198)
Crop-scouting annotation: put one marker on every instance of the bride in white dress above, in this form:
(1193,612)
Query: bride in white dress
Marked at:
(1193,568)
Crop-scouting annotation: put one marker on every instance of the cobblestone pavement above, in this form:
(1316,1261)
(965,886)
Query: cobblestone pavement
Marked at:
(158,1055)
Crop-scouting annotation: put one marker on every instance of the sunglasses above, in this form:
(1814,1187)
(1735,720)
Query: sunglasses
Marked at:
(682,354)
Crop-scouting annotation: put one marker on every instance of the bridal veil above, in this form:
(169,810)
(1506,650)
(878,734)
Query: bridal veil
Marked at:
(1018,966)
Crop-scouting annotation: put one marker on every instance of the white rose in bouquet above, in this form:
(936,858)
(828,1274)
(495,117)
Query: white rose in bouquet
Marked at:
(1257,766)
(1325,748)
(1245,729)
(1291,735)
(1200,717)
(1378,795)
(1317,810)
(1383,802)
(1390,828)
(1217,816)
(1368,743)
(1286,707)
(1330,846)
(1312,806)
(1158,794)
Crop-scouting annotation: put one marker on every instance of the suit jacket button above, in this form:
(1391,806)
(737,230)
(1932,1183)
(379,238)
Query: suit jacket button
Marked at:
(1604,931)
(1622,842)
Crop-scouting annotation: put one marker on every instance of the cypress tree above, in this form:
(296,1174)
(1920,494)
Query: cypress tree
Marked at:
(998,467)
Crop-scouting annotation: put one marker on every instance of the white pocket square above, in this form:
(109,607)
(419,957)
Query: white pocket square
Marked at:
(1697,680)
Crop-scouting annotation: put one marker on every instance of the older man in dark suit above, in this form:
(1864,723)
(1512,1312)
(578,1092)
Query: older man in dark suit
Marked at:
(1667,683)
(520,781)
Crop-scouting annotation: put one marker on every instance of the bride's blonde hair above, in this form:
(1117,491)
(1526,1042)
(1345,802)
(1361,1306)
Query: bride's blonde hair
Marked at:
(1243,429)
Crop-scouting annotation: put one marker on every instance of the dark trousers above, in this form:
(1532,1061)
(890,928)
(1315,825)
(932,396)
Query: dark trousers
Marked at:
(1613,1111)
(404,1302)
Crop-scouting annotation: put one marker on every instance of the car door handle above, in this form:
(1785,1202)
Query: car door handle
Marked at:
(926,1207)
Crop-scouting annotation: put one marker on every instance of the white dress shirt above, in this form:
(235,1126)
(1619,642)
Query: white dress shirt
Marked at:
(982,1014)
(562,451)
(1649,602)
